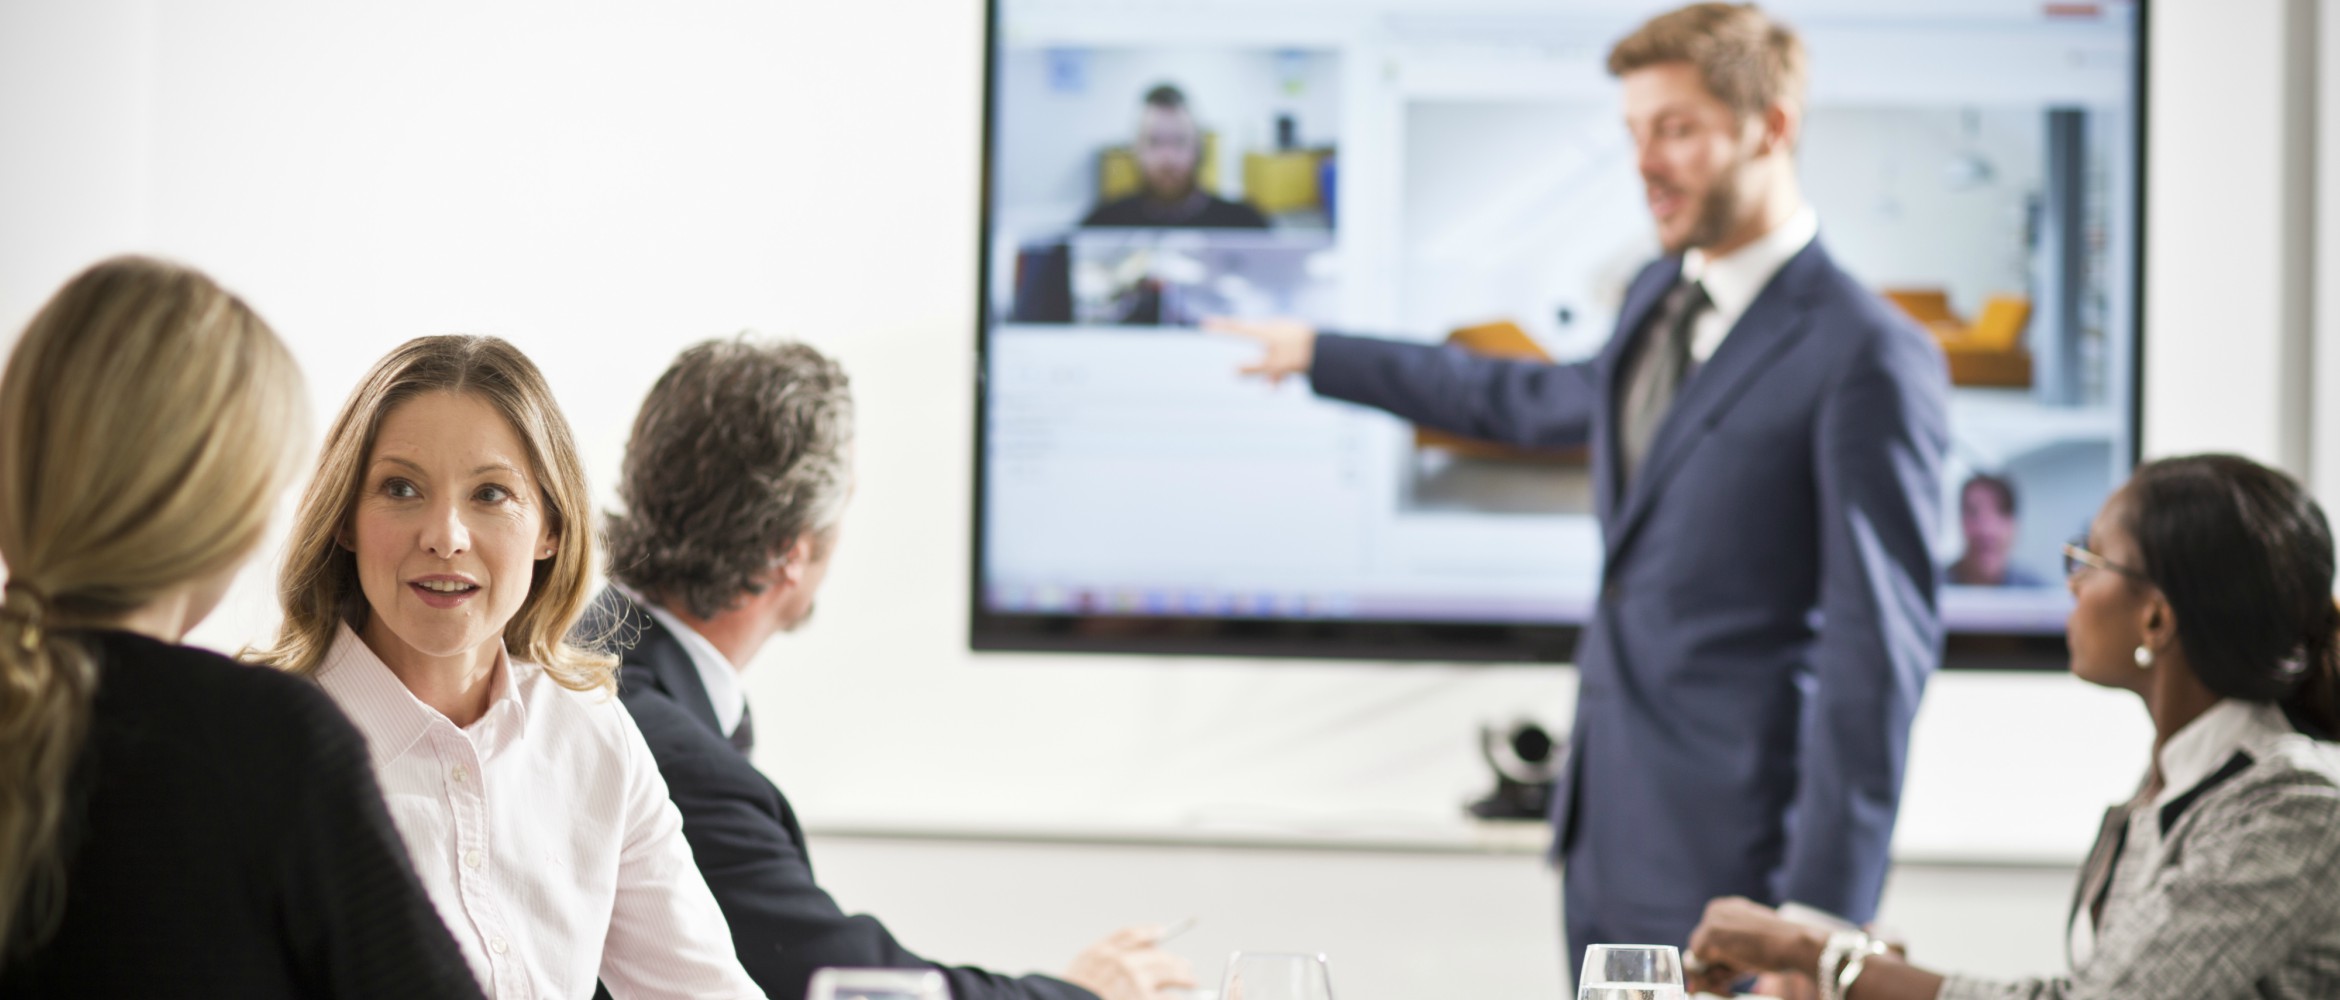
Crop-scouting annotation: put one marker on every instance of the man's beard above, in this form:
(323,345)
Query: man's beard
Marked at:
(1170,195)
(1718,211)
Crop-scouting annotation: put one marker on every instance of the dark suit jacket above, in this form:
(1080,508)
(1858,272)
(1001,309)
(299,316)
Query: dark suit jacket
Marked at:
(1212,213)
(1767,615)
(746,838)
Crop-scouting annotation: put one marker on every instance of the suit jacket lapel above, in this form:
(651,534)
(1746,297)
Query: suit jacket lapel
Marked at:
(659,651)
(1771,323)
(2098,871)
(1640,302)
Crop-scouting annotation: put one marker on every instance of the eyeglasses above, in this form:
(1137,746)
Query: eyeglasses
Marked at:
(2077,557)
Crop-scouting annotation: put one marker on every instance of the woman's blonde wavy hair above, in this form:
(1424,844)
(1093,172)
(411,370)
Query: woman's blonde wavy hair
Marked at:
(319,582)
(148,421)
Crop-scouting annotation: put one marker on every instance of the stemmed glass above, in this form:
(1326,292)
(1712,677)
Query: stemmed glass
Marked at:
(1266,976)
(1631,972)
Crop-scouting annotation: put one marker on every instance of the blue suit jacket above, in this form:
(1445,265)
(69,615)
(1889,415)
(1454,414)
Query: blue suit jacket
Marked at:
(1766,618)
(744,835)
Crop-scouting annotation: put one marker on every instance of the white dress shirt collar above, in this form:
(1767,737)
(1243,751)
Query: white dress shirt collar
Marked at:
(716,671)
(393,719)
(2197,751)
(555,860)
(1733,281)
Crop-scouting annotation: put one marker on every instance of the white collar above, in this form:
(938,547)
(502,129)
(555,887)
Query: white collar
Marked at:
(716,671)
(2207,743)
(391,717)
(1734,280)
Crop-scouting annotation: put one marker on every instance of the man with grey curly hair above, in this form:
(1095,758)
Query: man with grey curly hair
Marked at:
(735,481)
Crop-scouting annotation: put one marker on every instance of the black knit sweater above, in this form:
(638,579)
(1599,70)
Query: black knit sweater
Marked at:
(225,838)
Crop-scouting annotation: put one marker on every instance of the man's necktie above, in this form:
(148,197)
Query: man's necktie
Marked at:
(1658,372)
(743,736)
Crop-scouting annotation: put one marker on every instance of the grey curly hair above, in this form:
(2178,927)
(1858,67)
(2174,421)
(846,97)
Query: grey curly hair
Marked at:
(741,449)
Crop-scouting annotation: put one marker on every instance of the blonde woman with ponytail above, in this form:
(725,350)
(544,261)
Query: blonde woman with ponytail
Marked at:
(172,823)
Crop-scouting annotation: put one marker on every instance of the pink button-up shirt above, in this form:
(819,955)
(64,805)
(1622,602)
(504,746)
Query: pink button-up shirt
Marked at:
(544,835)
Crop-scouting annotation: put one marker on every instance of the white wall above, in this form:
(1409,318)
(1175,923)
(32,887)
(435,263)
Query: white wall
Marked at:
(605,184)
(2216,206)
(2323,336)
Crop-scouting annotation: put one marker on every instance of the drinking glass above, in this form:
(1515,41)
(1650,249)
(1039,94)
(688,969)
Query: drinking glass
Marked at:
(877,984)
(1266,976)
(1631,972)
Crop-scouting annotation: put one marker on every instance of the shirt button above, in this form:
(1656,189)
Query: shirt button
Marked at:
(459,774)
(498,946)
(471,859)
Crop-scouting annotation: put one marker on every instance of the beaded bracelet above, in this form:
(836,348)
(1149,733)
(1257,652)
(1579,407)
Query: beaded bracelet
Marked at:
(1842,960)
(1832,957)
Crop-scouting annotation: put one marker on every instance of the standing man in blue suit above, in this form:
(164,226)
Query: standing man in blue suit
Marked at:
(1767,438)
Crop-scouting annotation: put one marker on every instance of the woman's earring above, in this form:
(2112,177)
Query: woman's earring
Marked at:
(2144,658)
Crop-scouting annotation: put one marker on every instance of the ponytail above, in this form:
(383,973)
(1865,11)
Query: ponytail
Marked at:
(46,683)
(105,507)
(2314,701)
(2244,554)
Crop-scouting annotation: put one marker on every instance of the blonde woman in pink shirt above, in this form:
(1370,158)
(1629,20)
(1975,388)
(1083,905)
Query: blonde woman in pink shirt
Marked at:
(440,558)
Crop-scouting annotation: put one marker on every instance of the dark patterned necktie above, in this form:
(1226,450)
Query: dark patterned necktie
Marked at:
(743,736)
(1663,362)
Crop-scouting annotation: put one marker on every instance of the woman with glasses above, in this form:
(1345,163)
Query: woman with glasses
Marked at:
(2205,587)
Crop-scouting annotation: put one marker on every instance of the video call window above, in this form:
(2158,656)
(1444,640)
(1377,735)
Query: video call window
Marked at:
(1201,180)
(1460,172)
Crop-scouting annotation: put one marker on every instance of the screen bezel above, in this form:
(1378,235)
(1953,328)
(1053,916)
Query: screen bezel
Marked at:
(1430,641)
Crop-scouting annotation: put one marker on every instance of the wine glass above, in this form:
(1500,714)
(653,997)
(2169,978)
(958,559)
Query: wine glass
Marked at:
(1266,976)
(878,984)
(1631,972)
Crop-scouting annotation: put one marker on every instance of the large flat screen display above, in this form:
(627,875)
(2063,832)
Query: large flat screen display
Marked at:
(1459,170)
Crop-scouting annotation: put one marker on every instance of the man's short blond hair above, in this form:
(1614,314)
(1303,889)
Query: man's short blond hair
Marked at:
(1747,60)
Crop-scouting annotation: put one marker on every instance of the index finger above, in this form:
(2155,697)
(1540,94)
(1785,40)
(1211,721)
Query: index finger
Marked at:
(1223,324)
